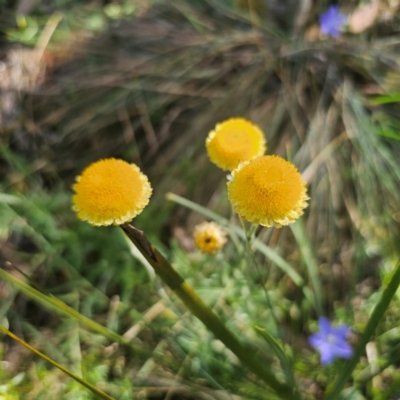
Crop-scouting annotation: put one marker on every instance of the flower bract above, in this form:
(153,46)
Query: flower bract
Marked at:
(110,191)
(332,21)
(268,190)
(233,141)
(331,341)
(209,237)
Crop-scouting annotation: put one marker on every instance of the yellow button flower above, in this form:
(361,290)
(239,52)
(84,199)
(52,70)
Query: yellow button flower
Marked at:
(268,190)
(233,141)
(209,237)
(110,191)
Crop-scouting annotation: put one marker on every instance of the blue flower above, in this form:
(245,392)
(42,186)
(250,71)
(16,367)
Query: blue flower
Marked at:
(331,341)
(332,21)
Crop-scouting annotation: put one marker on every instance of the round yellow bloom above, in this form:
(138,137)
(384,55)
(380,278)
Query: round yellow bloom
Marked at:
(110,191)
(209,237)
(268,190)
(233,141)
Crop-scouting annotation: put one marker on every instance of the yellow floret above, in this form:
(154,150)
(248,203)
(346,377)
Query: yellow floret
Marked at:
(209,237)
(233,141)
(268,190)
(110,191)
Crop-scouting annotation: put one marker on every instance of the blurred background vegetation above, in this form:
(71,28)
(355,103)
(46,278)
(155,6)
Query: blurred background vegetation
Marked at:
(146,81)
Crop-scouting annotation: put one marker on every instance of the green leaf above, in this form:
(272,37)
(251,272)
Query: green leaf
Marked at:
(9,199)
(279,352)
(386,99)
(388,132)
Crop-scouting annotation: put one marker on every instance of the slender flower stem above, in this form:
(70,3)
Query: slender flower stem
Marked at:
(198,308)
(251,233)
(252,261)
(373,322)
(88,385)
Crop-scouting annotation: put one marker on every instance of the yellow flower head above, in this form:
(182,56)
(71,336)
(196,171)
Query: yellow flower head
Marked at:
(209,237)
(268,190)
(110,191)
(233,141)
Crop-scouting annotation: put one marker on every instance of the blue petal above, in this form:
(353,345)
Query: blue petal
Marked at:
(341,331)
(331,13)
(327,354)
(342,349)
(317,340)
(324,326)
(334,32)
(331,21)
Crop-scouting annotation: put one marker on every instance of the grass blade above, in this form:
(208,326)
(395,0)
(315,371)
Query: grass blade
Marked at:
(310,261)
(277,349)
(88,385)
(57,305)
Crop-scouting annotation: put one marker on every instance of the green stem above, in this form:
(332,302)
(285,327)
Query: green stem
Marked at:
(96,391)
(199,309)
(252,261)
(373,322)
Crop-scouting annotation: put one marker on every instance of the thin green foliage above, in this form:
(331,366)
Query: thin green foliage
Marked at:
(83,382)
(310,262)
(60,307)
(278,350)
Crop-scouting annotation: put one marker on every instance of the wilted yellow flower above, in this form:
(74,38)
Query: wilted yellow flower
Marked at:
(110,191)
(268,190)
(233,141)
(209,237)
